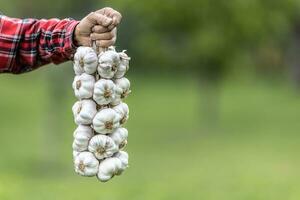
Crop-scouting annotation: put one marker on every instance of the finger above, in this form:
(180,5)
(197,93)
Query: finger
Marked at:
(99,19)
(103,20)
(105,43)
(106,11)
(109,12)
(117,17)
(102,36)
(111,27)
(100,29)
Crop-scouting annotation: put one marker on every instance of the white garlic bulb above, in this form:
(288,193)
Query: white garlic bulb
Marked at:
(84,112)
(120,136)
(123,110)
(123,156)
(85,60)
(83,86)
(104,91)
(75,154)
(108,168)
(108,62)
(106,121)
(86,164)
(123,67)
(122,90)
(82,136)
(102,146)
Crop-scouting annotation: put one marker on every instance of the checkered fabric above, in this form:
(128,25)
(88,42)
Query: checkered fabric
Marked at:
(26,44)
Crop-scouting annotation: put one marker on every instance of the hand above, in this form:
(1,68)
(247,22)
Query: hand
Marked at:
(99,26)
(113,14)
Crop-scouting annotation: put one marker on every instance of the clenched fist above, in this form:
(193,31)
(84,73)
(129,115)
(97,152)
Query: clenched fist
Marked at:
(99,26)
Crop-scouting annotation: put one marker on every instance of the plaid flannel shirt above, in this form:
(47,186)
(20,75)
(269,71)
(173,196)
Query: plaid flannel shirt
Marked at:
(26,44)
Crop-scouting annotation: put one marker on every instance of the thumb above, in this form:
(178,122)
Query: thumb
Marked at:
(99,19)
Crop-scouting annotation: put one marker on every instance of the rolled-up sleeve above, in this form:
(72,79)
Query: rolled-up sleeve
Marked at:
(27,44)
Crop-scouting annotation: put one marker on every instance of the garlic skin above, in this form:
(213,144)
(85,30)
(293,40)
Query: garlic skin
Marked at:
(106,121)
(123,156)
(122,90)
(75,154)
(123,110)
(104,91)
(108,168)
(85,61)
(108,62)
(86,164)
(82,136)
(83,86)
(120,136)
(123,67)
(102,146)
(84,112)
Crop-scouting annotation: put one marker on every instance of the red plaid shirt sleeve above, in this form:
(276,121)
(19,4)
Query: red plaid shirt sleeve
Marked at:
(26,44)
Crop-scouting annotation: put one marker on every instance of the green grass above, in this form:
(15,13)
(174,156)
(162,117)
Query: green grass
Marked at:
(251,153)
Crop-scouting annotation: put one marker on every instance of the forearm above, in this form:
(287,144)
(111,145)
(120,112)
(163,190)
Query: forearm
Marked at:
(28,44)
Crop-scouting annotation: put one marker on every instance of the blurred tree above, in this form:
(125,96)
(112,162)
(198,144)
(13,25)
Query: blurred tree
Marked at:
(293,58)
(208,37)
(203,37)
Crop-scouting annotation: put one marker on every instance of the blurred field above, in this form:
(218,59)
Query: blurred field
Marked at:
(253,152)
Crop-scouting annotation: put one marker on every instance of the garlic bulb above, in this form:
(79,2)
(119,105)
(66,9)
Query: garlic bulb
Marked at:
(84,112)
(85,60)
(108,62)
(122,90)
(83,86)
(108,168)
(123,110)
(123,156)
(120,136)
(86,164)
(123,67)
(82,136)
(106,121)
(75,154)
(104,91)
(102,146)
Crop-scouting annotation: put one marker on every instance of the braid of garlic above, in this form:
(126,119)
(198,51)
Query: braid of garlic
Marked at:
(100,113)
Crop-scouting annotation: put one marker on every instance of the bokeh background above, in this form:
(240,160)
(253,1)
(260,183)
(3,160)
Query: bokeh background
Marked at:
(215,107)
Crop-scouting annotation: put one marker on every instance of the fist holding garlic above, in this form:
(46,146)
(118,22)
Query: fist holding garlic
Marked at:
(99,26)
